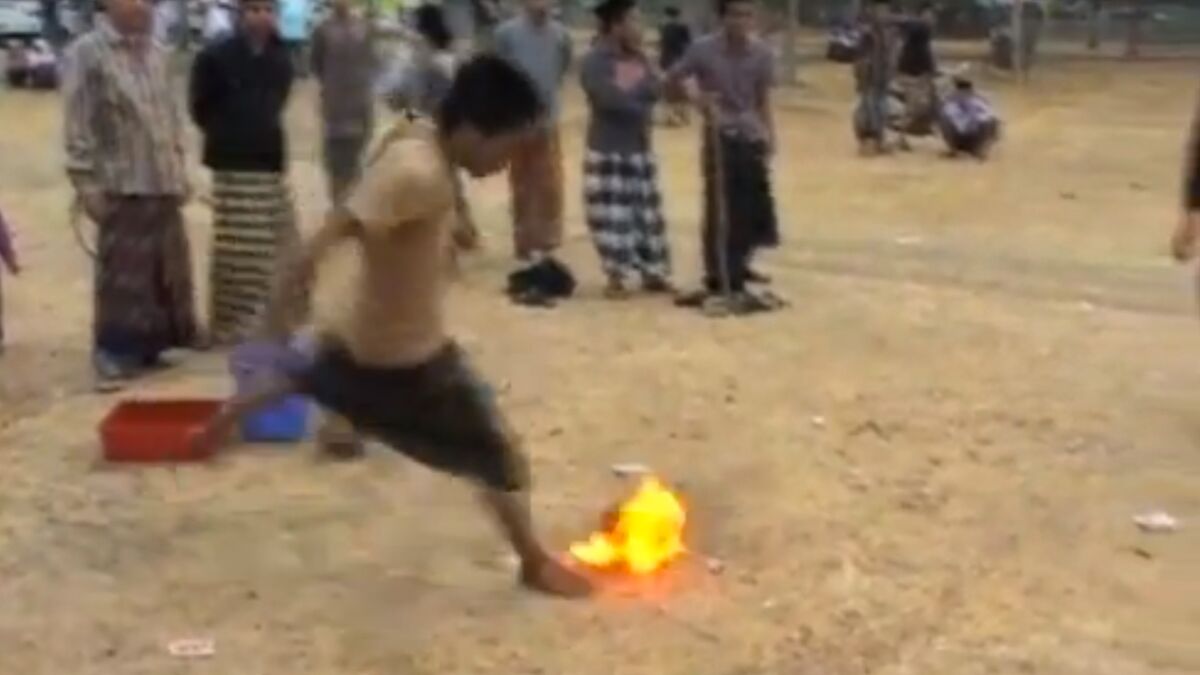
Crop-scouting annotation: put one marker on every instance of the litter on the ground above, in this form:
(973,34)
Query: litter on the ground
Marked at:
(626,469)
(1156,521)
(192,648)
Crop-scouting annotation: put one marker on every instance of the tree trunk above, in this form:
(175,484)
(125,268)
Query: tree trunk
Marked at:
(791,28)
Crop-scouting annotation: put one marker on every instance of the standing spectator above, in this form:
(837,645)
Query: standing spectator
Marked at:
(916,70)
(238,92)
(873,76)
(344,63)
(734,71)
(540,47)
(295,24)
(620,175)
(674,39)
(125,158)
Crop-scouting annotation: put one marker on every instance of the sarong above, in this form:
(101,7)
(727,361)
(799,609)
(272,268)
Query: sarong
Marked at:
(624,214)
(750,209)
(535,179)
(143,279)
(254,224)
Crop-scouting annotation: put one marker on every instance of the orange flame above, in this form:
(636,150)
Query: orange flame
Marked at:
(643,535)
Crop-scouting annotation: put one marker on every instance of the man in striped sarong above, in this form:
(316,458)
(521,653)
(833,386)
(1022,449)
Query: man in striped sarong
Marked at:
(623,203)
(125,158)
(239,88)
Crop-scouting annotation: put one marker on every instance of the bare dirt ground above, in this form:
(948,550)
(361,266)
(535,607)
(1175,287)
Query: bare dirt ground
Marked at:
(927,465)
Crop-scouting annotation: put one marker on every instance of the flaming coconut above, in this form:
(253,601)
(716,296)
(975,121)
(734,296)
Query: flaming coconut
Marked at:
(640,536)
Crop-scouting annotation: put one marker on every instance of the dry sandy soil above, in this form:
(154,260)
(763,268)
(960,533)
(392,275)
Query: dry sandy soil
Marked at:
(927,465)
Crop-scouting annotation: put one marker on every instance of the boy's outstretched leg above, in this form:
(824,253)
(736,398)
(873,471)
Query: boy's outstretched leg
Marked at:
(539,569)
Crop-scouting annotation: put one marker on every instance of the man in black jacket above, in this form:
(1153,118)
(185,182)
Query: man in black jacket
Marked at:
(239,89)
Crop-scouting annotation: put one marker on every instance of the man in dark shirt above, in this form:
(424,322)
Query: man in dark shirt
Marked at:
(674,39)
(239,88)
(734,73)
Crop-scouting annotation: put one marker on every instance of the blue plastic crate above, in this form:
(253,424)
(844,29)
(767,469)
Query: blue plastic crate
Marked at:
(284,422)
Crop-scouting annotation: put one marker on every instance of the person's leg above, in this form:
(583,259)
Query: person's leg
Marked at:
(342,158)
(606,211)
(711,234)
(524,207)
(176,294)
(539,569)
(652,249)
(127,271)
(337,438)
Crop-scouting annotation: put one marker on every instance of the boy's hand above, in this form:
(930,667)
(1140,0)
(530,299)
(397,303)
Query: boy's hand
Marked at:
(1183,242)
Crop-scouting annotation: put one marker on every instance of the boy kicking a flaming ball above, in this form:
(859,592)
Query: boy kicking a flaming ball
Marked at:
(389,370)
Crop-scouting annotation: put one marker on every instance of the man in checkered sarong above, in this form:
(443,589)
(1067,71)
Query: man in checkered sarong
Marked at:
(623,204)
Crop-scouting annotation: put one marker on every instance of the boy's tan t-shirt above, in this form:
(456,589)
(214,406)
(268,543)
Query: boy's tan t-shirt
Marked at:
(404,202)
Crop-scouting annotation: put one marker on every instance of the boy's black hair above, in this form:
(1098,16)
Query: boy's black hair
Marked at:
(723,5)
(671,12)
(611,12)
(963,83)
(431,24)
(491,95)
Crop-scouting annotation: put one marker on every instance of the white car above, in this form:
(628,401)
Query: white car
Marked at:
(20,18)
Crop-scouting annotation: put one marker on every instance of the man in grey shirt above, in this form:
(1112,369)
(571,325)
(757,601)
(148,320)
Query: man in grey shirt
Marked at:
(734,72)
(620,176)
(541,48)
(344,63)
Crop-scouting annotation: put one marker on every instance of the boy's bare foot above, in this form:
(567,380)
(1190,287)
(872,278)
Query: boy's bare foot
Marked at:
(552,577)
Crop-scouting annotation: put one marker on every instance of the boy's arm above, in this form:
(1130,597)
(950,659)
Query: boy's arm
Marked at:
(291,295)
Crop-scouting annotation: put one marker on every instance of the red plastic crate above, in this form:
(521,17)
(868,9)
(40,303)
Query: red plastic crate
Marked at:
(155,431)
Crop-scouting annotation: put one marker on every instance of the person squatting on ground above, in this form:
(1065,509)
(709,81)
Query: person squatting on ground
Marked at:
(622,201)
(734,73)
(873,72)
(674,39)
(389,368)
(343,60)
(968,123)
(915,73)
(239,89)
(8,260)
(125,157)
(540,47)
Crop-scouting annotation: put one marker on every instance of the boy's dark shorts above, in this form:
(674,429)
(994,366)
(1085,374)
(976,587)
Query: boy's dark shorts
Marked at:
(439,412)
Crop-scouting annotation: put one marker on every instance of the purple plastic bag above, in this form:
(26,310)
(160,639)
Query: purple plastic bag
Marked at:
(257,358)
